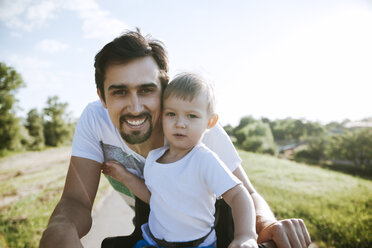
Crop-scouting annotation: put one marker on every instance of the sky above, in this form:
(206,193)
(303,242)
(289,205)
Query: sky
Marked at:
(275,59)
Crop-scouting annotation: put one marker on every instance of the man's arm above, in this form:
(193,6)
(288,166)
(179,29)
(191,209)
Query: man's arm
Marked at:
(71,219)
(285,233)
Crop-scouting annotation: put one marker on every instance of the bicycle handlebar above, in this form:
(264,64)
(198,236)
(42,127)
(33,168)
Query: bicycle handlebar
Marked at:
(268,244)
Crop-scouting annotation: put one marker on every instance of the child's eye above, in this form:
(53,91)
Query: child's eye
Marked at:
(171,114)
(192,116)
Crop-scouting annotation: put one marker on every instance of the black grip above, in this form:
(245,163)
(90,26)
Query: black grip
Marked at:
(267,244)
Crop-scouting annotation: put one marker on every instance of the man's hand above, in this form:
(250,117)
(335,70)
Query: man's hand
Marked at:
(243,242)
(288,233)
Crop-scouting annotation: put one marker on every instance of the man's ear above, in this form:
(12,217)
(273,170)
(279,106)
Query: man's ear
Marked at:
(101,98)
(213,121)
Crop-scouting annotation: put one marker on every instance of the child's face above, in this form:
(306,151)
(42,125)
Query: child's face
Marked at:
(184,122)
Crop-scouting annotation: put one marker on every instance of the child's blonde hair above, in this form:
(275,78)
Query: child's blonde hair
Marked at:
(186,86)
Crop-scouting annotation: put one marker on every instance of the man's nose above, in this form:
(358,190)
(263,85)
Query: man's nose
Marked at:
(135,107)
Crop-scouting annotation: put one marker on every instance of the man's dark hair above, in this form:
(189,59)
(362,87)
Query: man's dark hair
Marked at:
(130,45)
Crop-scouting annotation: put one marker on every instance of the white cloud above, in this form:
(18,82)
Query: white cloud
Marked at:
(96,22)
(51,46)
(27,15)
(16,34)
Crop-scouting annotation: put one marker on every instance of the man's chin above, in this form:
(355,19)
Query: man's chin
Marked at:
(136,137)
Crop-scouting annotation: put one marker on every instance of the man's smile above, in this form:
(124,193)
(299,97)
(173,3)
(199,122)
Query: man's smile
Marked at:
(135,121)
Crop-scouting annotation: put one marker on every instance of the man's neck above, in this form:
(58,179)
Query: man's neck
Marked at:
(156,140)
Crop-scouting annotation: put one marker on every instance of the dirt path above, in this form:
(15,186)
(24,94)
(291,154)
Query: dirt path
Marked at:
(27,173)
(30,162)
(112,217)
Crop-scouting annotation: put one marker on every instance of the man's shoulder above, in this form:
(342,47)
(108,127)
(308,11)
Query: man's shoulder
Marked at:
(94,111)
(214,133)
(95,107)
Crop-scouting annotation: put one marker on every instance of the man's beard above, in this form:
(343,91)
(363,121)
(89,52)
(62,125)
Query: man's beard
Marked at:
(136,137)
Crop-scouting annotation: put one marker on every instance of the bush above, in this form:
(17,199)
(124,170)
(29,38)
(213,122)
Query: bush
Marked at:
(355,146)
(256,137)
(57,127)
(314,151)
(10,130)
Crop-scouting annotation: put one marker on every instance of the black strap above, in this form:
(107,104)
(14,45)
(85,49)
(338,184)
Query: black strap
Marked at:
(193,243)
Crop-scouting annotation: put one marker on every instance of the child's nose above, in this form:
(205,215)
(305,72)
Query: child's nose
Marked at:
(180,123)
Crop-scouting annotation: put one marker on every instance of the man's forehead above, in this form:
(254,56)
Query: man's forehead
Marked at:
(133,74)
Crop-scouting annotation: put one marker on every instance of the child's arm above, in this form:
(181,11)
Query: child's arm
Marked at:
(135,184)
(244,216)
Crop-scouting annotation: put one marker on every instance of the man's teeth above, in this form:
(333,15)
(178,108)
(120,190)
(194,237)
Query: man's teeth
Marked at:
(136,122)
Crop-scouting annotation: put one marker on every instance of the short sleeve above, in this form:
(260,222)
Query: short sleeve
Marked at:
(217,140)
(217,176)
(86,141)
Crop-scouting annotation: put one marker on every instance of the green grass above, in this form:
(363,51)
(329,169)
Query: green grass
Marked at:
(34,189)
(336,207)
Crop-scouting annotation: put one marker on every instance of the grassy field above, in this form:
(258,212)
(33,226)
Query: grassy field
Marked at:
(336,207)
(30,186)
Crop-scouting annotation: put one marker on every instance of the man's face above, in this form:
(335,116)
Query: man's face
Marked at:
(133,97)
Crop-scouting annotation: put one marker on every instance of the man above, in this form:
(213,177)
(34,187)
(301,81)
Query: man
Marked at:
(131,73)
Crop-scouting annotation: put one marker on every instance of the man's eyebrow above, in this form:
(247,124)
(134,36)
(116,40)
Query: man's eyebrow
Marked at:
(148,85)
(123,86)
(117,86)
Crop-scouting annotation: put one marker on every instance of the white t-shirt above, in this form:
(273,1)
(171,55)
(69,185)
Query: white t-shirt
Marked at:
(183,193)
(97,138)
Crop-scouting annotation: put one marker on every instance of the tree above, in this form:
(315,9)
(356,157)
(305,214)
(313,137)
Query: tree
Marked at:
(315,150)
(229,129)
(256,137)
(10,82)
(295,129)
(34,125)
(355,146)
(57,129)
(244,121)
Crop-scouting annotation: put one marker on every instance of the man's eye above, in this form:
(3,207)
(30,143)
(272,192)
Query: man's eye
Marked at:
(146,90)
(191,116)
(120,92)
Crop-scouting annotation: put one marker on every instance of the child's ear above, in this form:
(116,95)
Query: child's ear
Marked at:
(213,120)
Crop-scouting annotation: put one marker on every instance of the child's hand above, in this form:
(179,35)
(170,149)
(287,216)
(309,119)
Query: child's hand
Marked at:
(115,170)
(243,242)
